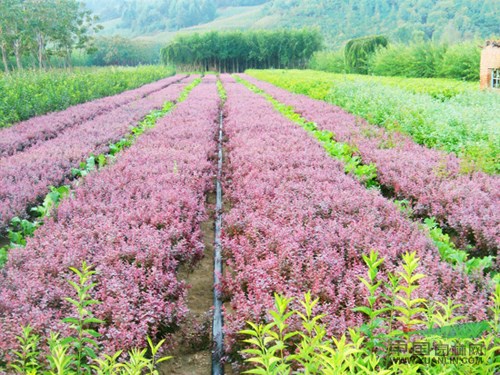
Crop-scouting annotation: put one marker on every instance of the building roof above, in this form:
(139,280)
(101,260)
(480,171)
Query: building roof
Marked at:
(494,43)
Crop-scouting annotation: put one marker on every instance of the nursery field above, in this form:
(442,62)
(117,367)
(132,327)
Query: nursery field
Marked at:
(238,226)
(445,114)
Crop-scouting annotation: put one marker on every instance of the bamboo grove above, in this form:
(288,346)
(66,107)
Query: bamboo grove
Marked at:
(235,51)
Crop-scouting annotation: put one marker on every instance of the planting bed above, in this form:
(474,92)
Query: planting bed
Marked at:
(137,221)
(26,176)
(465,204)
(42,128)
(291,220)
(298,223)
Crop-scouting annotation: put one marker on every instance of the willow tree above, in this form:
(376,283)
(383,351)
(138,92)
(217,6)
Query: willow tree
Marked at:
(358,51)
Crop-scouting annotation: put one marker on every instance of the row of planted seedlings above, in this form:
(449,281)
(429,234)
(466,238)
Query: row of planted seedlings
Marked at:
(26,134)
(136,220)
(298,224)
(426,184)
(461,124)
(20,229)
(26,177)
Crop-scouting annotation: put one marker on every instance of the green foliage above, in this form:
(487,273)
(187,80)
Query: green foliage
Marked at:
(462,123)
(222,91)
(91,164)
(409,309)
(375,322)
(43,29)
(79,353)
(449,252)
(235,51)
(28,93)
(403,21)
(461,61)
(428,60)
(358,52)
(51,201)
(273,348)
(84,343)
(328,61)
(185,93)
(26,358)
(422,60)
(21,229)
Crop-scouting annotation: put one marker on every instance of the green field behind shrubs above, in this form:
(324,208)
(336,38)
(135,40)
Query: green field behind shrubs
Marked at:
(31,93)
(450,115)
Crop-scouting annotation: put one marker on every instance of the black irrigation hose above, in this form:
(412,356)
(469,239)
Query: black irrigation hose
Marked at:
(218,336)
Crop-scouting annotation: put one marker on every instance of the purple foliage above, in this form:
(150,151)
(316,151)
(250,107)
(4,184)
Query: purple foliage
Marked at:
(136,221)
(468,205)
(26,176)
(297,222)
(39,129)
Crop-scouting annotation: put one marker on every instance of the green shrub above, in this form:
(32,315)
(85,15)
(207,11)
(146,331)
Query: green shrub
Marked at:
(272,347)
(31,93)
(328,61)
(461,61)
(428,59)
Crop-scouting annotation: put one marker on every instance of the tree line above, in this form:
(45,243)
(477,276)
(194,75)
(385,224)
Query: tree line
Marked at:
(38,30)
(122,51)
(235,51)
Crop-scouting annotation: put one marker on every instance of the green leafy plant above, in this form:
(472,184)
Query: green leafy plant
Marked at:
(275,349)
(410,308)
(451,254)
(222,91)
(27,357)
(269,341)
(375,322)
(80,353)
(51,201)
(84,342)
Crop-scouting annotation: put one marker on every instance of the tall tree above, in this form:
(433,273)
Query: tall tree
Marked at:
(43,28)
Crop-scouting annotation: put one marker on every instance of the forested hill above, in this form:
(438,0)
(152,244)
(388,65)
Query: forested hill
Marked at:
(339,20)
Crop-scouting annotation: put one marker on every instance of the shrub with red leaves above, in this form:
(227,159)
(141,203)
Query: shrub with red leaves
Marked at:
(136,221)
(297,223)
(467,205)
(26,176)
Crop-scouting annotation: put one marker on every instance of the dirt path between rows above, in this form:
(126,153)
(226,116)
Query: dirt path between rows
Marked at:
(192,355)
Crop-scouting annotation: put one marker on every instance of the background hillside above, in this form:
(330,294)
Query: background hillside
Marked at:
(339,20)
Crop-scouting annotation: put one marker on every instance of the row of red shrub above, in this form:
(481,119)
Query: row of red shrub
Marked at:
(467,204)
(297,223)
(42,128)
(26,176)
(136,221)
